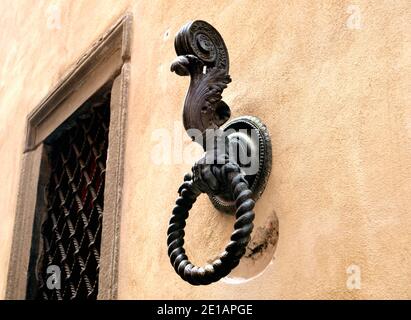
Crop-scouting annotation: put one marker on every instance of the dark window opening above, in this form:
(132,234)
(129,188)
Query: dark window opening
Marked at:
(71,231)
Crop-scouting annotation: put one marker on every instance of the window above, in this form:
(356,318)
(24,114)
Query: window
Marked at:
(69,199)
(71,233)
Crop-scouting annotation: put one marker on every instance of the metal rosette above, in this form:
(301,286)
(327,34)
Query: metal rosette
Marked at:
(201,39)
(248,133)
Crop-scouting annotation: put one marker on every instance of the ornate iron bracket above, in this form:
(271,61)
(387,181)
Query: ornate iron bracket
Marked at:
(231,183)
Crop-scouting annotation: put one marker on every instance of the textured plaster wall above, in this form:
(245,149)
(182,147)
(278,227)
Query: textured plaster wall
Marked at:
(335,96)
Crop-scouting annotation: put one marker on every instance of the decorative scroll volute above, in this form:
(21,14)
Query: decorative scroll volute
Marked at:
(202,54)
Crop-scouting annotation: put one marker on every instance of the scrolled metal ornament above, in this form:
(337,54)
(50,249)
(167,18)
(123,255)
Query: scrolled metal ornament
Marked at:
(203,56)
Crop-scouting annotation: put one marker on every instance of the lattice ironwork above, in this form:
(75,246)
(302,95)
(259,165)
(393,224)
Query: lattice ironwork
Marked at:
(72,230)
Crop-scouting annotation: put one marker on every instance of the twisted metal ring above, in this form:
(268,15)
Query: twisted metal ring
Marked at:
(230,258)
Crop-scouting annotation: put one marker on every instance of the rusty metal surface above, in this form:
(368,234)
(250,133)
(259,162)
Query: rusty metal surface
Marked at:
(72,229)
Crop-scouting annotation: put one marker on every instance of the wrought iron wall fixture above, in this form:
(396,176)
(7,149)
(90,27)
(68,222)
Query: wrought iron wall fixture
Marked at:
(230,184)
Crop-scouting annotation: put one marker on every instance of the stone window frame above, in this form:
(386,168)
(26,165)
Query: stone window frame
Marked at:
(107,62)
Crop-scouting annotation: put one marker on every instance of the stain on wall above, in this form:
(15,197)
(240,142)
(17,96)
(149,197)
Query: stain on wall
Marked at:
(264,238)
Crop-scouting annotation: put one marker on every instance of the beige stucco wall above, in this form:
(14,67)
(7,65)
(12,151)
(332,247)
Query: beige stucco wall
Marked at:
(335,98)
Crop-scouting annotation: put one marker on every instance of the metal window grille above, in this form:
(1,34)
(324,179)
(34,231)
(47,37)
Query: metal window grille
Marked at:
(71,232)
